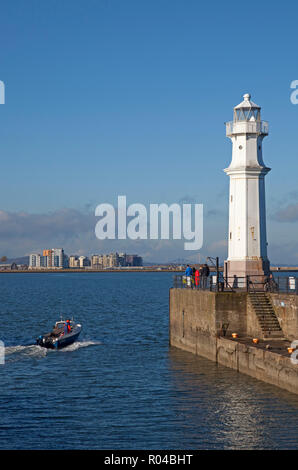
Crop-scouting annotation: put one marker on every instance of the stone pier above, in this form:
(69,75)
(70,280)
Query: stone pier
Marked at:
(202,322)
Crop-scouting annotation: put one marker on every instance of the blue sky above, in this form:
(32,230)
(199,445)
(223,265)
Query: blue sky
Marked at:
(105,98)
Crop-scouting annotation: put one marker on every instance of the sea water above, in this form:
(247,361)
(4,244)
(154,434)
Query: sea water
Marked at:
(121,386)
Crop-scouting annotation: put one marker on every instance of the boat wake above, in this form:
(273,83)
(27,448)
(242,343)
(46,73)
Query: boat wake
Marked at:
(15,353)
(33,351)
(78,345)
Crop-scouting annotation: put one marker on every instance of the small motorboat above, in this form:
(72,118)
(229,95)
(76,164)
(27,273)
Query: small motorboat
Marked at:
(58,338)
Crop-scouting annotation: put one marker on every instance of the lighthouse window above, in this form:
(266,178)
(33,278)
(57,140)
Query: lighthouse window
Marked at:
(230,235)
(240,147)
(231,198)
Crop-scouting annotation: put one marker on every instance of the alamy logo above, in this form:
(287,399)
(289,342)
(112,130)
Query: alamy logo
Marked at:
(134,222)
(294,94)
(2,353)
(2,92)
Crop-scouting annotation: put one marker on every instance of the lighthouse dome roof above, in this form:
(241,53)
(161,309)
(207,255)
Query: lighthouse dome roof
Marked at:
(247,103)
(247,110)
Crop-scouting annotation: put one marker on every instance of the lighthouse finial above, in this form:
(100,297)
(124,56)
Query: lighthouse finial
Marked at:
(246,97)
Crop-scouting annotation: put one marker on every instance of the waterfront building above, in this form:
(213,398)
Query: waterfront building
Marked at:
(34,260)
(106,261)
(43,261)
(114,260)
(49,256)
(84,261)
(122,259)
(247,241)
(96,261)
(58,257)
(134,260)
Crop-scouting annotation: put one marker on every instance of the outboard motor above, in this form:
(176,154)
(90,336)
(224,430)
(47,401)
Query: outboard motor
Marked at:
(40,340)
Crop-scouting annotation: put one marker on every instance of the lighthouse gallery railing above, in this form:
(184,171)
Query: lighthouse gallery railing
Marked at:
(254,127)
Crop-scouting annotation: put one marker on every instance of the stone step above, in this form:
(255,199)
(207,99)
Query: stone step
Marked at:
(268,328)
(274,334)
(259,299)
(268,322)
(266,315)
(263,302)
(267,304)
(265,312)
(260,295)
(264,309)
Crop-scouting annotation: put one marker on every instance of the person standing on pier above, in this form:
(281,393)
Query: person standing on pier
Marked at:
(197,278)
(188,274)
(205,274)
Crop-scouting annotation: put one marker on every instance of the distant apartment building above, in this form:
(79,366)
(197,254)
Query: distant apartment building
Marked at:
(55,258)
(73,262)
(43,262)
(48,255)
(115,260)
(134,260)
(78,261)
(58,257)
(96,261)
(102,261)
(51,258)
(84,261)
(34,260)
(122,259)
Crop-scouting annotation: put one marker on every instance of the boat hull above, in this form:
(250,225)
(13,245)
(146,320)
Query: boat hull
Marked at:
(49,342)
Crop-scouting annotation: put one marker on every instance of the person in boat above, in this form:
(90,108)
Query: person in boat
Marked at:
(67,327)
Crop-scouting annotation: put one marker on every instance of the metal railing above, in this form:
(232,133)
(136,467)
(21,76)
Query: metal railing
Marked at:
(253,127)
(254,283)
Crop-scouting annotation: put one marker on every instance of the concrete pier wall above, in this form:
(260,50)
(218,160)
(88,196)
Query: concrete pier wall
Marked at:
(196,325)
(286,309)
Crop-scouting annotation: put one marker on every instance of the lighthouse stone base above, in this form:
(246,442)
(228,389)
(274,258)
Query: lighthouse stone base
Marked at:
(256,269)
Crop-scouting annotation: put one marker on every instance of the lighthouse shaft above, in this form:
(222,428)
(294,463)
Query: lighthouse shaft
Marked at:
(247,241)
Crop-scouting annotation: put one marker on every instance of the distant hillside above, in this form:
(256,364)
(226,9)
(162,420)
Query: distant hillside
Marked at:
(20,260)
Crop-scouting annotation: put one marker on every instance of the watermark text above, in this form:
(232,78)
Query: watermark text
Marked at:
(161,222)
(294,94)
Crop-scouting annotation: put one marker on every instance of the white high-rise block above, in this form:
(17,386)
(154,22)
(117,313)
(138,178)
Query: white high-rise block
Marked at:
(247,241)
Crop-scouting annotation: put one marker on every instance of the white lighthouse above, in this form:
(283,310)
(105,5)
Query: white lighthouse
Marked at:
(247,241)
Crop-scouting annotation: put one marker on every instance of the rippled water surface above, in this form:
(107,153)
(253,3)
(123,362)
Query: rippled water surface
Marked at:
(121,386)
